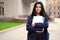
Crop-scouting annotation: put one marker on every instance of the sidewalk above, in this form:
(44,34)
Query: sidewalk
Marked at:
(20,33)
(54,30)
(15,34)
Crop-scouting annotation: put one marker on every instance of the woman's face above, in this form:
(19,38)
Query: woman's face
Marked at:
(38,8)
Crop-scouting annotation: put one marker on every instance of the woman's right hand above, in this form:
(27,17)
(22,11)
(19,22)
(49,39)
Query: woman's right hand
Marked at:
(33,25)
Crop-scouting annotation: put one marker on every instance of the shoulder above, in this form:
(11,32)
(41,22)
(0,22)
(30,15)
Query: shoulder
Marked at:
(46,19)
(29,18)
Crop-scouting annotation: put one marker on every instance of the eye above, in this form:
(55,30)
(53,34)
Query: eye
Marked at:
(36,6)
(39,7)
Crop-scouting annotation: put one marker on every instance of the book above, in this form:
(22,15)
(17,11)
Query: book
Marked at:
(38,19)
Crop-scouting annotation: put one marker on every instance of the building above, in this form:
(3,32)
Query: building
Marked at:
(16,8)
(22,8)
(53,7)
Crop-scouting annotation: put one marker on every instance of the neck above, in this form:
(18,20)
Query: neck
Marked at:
(38,14)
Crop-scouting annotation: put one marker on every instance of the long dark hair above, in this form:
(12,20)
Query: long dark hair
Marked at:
(42,13)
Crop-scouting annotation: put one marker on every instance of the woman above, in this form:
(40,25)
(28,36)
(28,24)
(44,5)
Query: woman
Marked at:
(32,28)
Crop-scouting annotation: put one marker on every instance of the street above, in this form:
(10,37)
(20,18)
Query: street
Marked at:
(20,33)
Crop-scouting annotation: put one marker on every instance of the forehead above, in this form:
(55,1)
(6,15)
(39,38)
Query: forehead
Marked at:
(38,5)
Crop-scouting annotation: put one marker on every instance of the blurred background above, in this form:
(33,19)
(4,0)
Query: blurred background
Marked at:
(10,9)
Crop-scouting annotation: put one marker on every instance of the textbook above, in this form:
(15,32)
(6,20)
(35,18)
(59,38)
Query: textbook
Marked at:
(38,19)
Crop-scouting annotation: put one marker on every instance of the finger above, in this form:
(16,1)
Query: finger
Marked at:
(42,30)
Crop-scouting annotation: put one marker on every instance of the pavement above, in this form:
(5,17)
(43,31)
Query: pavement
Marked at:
(54,30)
(20,33)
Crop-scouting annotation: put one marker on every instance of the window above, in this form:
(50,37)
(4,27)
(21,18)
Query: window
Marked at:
(1,8)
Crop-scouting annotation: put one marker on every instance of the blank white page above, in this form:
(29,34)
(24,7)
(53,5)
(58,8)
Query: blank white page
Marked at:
(38,19)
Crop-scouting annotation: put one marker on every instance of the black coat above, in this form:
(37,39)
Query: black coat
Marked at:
(38,27)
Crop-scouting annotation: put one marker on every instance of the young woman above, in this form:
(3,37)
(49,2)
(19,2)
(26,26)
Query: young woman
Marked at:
(32,28)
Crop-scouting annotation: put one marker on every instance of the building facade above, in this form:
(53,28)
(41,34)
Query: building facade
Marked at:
(23,8)
(53,7)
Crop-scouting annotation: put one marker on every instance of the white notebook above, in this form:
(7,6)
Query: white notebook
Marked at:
(38,19)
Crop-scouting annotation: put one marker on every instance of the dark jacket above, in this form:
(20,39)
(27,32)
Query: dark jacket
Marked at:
(38,27)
